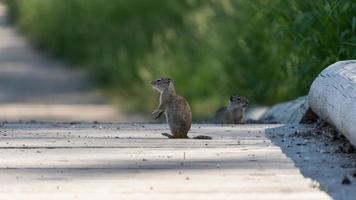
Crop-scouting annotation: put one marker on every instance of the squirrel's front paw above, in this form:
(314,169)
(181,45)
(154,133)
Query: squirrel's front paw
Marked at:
(156,114)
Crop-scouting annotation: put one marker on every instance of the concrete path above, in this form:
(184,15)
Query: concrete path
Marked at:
(133,161)
(35,87)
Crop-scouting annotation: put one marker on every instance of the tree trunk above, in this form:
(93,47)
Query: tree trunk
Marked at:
(332,97)
(289,112)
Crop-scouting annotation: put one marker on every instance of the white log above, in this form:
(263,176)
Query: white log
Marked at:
(332,97)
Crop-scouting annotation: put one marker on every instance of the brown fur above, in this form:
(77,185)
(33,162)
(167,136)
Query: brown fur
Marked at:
(175,107)
(234,112)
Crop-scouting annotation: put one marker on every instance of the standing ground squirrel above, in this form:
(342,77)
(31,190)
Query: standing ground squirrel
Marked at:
(234,112)
(176,109)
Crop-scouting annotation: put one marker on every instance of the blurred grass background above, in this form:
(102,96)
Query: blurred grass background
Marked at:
(268,51)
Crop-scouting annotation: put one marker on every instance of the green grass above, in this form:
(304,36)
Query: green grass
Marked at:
(269,51)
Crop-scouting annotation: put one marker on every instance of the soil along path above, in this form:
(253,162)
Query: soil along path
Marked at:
(35,87)
(134,161)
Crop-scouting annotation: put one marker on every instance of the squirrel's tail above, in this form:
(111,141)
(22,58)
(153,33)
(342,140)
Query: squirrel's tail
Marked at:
(168,135)
(203,137)
(200,137)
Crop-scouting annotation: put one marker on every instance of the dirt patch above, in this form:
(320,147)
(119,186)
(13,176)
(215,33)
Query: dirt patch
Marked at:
(322,154)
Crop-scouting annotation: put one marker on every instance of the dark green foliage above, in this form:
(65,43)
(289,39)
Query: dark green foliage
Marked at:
(268,51)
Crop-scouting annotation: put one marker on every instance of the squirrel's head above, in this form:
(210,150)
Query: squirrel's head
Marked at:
(162,84)
(238,102)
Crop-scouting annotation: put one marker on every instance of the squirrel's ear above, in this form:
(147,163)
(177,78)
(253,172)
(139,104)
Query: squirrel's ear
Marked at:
(169,80)
(231,98)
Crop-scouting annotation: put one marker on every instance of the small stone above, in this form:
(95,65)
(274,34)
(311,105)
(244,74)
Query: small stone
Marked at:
(354,174)
(314,184)
(349,165)
(348,148)
(143,159)
(345,181)
(187,178)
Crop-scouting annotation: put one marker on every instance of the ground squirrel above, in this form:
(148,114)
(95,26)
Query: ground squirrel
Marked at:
(176,109)
(234,112)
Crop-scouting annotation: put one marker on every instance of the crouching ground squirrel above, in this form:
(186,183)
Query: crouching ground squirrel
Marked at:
(176,109)
(234,112)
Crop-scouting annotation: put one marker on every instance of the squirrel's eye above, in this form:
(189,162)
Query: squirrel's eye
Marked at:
(238,98)
(159,80)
